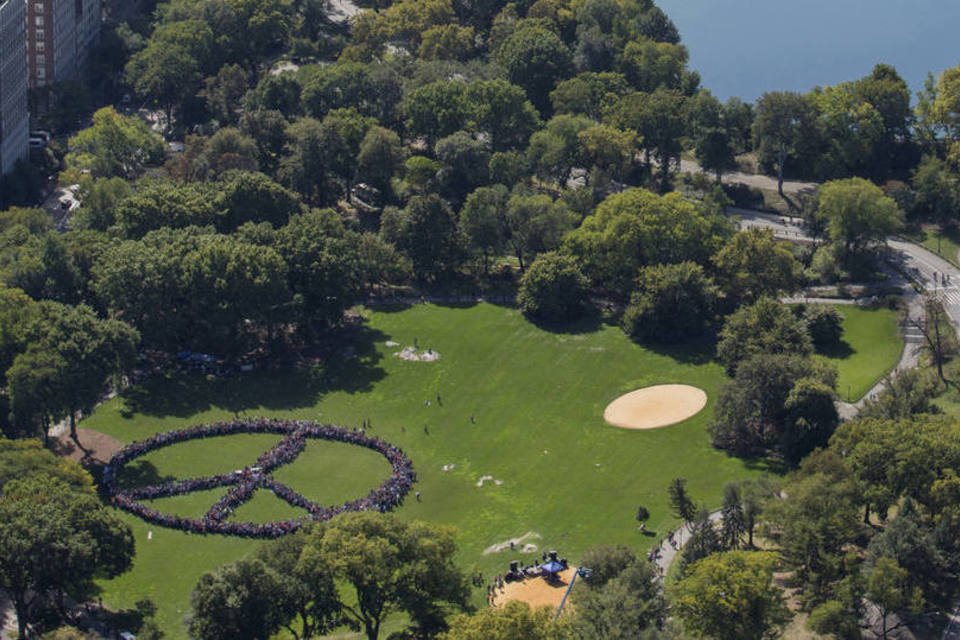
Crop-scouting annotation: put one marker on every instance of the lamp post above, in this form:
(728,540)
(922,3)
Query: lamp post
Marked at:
(583,572)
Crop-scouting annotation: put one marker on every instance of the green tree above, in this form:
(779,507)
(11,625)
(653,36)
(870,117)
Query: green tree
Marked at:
(765,327)
(54,540)
(660,120)
(681,503)
(309,599)
(945,111)
(636,228)
(115,145)
(754,264)
(427,231)
(323,267)
(388,566)
(380,158)
(247,600)
(672,303)
(464,159)
(628,605)
(649,65)
(888,590)
(606,562)
(244,197)
(503,112)
(857,213)
(513,620)
(733,522)
(588,93)
(730,596)
(776,402)
(224,93)
(436,109)
(535,224)
(166,75)
(813,520)
(553,290)
(25,459)
(784,128)
(824,323)
(447,42)
(554,151)
(482,220)
(535,58)
(163,203)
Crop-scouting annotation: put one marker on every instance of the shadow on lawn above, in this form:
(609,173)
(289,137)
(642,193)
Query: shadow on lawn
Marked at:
(590,323)
(353,366)
(840,351)
(697,352)
(141,473)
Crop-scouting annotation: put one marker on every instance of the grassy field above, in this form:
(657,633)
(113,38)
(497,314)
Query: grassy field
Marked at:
(871,347)
(945,244)
(537,398)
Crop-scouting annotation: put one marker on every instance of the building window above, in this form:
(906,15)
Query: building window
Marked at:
(41,59)
(41,46)
(39,34)
(41,73)
(38,7)
(38,20)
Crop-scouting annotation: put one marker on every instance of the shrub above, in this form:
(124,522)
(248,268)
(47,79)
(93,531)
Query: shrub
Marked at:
(553,289)
(672,303)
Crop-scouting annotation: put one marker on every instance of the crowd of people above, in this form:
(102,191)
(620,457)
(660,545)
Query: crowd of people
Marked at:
(244,483)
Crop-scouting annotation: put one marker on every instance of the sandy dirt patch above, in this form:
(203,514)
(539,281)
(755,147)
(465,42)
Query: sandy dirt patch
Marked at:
(99,446)
(485,479)
(410,354)
(516,542)
(654,407)
(536,592)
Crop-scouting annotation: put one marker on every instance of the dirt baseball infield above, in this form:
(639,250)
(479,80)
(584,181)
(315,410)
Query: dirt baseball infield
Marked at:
(655,407)
(536,592)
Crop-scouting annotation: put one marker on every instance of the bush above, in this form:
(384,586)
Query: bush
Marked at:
(824,324)
(765,327)
(553,289)
(672,303)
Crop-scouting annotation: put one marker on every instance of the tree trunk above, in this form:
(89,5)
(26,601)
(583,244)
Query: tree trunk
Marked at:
(73,429)
(866,514)
(372,628)
(20,606)
(780,162)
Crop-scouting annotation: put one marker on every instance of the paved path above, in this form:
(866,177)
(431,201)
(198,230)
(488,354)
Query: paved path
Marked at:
(754,180)
(666,553)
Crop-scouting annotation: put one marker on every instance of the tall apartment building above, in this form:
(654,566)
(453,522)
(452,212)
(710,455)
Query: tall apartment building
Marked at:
(60,34)
(14,115)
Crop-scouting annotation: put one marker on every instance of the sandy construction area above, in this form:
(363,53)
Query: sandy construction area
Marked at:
(655,407)
(536,592)
(99,446)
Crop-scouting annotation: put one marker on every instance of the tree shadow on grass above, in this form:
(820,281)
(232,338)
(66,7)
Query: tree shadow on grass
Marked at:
(141,473)
(698,352)
(589,323)
(840,351)
(352,366)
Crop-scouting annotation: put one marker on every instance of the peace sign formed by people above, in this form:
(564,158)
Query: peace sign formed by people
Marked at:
(244,483)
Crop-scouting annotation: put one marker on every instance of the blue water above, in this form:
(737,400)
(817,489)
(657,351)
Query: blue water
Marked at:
(746,47)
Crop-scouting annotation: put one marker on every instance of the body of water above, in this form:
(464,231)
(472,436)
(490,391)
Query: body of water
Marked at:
(746,47)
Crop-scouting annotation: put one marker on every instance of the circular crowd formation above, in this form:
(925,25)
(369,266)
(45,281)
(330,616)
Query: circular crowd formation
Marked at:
(654,407)
(244,483)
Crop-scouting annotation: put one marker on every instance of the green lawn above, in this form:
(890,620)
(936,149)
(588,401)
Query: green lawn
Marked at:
(945,244)
(871,347)
(537,398)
